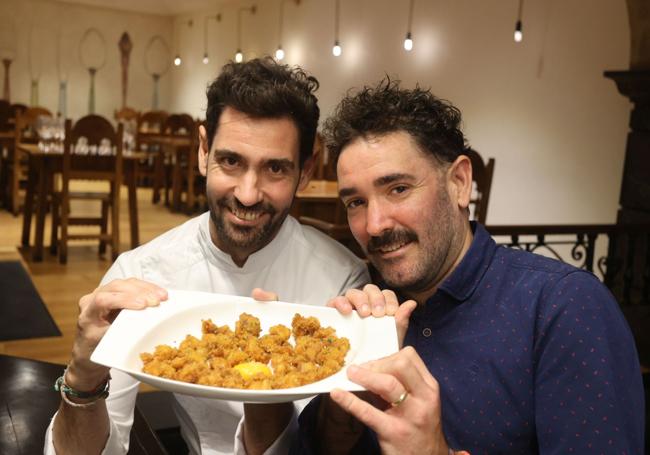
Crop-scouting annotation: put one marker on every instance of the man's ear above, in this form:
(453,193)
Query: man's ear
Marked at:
(203,150)
(459,177)
(307,171)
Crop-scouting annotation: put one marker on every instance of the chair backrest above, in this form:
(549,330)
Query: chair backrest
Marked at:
(126,114)
(152,121)
(482,174)
(16,109)
(92,150)
(26,124)
(179,125)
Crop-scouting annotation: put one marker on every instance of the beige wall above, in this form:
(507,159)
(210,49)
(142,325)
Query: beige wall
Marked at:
(556,127)
(542,108)
(44,21)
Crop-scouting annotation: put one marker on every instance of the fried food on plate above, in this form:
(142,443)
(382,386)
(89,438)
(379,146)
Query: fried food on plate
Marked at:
(242,359)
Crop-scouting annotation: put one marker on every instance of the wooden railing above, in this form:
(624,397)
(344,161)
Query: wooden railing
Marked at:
(618,254)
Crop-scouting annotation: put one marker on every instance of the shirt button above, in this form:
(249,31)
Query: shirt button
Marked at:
(426,332)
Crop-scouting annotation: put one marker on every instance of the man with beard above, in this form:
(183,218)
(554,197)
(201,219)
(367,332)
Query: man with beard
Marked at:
(506,351)
(255,152)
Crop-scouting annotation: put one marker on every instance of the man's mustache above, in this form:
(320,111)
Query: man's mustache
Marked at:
(391,237)
(233,203)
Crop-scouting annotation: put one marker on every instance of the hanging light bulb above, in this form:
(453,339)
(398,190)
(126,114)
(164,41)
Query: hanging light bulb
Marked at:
(519,35)
(206,60)
(408,42)
(239,57)
(336,50)
(177,60)
(279,53)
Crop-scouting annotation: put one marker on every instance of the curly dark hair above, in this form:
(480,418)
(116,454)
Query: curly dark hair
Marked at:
(263,88)
(374,111)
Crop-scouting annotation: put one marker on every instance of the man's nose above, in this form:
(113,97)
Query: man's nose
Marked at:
(248,190)
(378,219)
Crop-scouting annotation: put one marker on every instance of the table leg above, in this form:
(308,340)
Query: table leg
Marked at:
(131,180)
(43,185)
(191,168)
(176,182)
(32,178)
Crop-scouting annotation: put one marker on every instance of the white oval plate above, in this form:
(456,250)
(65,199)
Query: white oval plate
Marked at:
(135,332)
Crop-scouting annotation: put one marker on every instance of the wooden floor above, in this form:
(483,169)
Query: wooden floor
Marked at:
(61,286)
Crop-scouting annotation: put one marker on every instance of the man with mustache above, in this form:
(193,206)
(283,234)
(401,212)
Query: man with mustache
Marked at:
(255,152)
(506,351)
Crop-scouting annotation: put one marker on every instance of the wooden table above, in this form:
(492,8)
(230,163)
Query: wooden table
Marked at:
(28,402)
(42,167)
(320,199)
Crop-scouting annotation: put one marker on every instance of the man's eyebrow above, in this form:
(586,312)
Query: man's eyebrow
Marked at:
(226,153)
(284,163)
(381,181)
(390,178)
(344,192)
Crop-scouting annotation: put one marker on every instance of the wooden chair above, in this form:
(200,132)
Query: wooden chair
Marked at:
(179,164)
(126,114)
(15,164)
(77,166)
(16,110)
(482,183)
(151,170)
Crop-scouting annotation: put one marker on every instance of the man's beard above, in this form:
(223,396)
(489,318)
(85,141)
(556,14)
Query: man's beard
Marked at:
(253,238)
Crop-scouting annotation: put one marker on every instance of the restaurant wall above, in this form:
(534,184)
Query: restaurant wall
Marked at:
(541,108)
(32,30)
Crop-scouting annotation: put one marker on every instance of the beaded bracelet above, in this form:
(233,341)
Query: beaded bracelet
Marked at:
(94,395)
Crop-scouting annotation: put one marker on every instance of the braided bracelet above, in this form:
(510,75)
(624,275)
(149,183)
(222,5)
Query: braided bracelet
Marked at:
(94,395)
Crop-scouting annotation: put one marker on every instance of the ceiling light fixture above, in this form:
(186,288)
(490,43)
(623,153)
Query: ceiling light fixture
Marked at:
(177,58)
(519,34)
(206,19)
(408,42)
(336,50)
(239,56)
(279,52)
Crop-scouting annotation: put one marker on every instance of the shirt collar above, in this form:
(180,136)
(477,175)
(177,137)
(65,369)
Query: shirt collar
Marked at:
(462,282)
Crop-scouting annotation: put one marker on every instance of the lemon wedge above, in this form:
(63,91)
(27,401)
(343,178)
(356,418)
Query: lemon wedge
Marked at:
(248,370)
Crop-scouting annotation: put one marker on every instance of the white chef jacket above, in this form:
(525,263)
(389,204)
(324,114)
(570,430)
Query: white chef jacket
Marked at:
(300,264)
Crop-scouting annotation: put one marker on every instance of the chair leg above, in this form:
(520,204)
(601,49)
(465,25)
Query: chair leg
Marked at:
(14,196)
(158,176)
(63,242)
(104,227)
(115,221)
(54,236)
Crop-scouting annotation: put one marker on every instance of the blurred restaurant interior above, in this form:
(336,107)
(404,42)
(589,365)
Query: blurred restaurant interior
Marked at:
(555,98)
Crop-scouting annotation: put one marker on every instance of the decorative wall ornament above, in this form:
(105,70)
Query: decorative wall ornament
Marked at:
(157,60)
(125,45)
(92,55)
(7,51)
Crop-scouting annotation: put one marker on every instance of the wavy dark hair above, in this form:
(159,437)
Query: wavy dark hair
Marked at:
(263,88)
(433,123)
